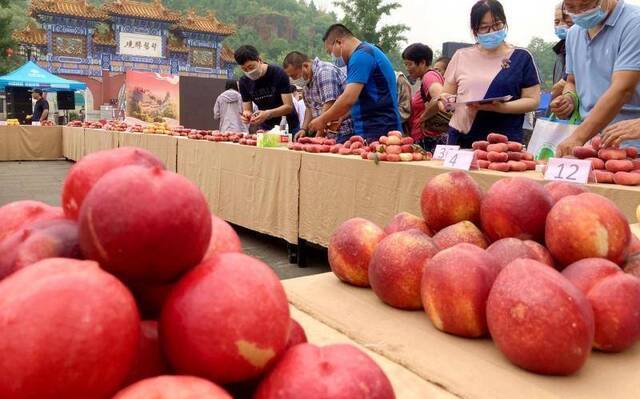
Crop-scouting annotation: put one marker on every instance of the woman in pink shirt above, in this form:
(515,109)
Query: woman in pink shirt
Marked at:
(417,58)
(490,69)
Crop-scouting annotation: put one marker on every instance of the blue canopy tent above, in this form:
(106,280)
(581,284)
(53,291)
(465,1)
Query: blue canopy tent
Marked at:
(33,76)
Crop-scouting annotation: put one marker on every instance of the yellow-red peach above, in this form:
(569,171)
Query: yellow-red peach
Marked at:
(406,221)
(460,233)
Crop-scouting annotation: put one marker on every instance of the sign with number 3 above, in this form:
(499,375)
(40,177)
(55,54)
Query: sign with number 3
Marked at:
(568,170)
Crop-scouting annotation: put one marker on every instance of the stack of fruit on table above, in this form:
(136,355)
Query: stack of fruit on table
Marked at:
(179,131)
(46,123)
(95,125)
(198,134)
(108,294)
(611,165)
(395,148)
(13,122)
(249,139)
(157,128)
(75,124)
(498,153)
(137,128)
(315,145)
(520,263)
(116,126)
(229,137)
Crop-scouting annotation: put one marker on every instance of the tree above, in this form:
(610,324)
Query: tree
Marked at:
(363,17)
(7,44)
(545,59)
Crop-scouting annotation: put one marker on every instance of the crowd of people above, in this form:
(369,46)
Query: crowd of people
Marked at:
(487,87)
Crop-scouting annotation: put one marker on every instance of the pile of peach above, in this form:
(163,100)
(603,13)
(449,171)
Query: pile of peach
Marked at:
(519,263)
(498,153)
(395,148)
(314,145)
(611,165)
(249,139)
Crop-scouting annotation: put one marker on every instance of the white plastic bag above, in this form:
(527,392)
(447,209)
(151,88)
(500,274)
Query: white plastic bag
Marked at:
(547,134)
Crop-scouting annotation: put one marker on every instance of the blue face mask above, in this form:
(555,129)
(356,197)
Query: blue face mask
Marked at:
(338,61)
(589,19)
(561,32)
(492,40)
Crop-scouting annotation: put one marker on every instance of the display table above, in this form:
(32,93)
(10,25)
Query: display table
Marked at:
(468,368)
(99,140)
(73,142)
(30,143)
(335,188)
(163,146)
(251,187)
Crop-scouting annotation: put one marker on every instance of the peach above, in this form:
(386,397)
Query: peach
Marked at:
(497,138)
(460,233)
(559,190)
(223,239)
(450,198)
(335,371)
(497,156)
(587,226)
(406,221)
(226,320)
(507,250)
(515,207)
(539,320)
(480,145)
(455,287)
(499,166)
(67,330)
(499,147)
(396,268)
(17,214)
(614,298)
(173,387)
(584,152)
(632,266)
(150,297)
(296,334)
(134,235)
(350,249)
(149,361)
(90,169)
(57,238)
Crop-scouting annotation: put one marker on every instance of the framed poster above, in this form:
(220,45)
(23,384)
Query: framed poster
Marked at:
(69,45)
(203,57)
(140,45)
(152,97)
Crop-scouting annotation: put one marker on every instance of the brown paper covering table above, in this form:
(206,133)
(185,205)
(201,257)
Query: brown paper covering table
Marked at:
(73,142)
(99,140)
(30,143)
(163,146)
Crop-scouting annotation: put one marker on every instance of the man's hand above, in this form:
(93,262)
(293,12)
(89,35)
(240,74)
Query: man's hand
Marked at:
(563,106)
(317,124)
(615,134)
(567,146)
(260,117)
(301,133)
(246,117)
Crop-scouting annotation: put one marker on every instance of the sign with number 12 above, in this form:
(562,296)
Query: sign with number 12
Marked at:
(568,170)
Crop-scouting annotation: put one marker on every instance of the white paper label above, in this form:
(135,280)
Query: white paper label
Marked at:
(568,170)
(3,123)
(458,160)
(441,151)
(35,123)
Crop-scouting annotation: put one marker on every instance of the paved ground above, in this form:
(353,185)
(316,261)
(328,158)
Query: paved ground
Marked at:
(42,181)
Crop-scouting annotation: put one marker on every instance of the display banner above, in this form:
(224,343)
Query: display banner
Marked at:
(140,45)
(152,97)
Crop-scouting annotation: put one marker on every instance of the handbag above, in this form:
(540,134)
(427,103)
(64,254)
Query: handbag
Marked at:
(435,120)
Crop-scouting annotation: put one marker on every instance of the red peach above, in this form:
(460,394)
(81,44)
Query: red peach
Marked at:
(407,140)
(90,169)
(450,198)
(173,387)
(149,361)
(225,325)
(391,157)
(406,221)
(394,149)
(463,232)
(296,334)
(395,133)
(350,249)
(132,234)
(515,207)
(539,320)
(223,239)
(397,265)
(480,145)
(587,226)
(67,330)
(559,190)
(494,138)
(507,250)
(632,266)
(632,152)
(614,298)
(455,286)
(17,214)
(335,371)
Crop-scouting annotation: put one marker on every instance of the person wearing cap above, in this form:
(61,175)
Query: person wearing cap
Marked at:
(40,108)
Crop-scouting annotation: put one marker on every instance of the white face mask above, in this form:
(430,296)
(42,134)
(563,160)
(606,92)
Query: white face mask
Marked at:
(254,74)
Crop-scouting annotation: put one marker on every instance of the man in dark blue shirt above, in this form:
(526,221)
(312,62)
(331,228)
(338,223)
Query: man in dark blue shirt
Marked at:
(41,107)
(371,94)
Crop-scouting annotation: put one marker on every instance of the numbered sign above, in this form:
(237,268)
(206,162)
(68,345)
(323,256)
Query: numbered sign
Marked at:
(568,170)
(441,151)
(458,160)
(35,123)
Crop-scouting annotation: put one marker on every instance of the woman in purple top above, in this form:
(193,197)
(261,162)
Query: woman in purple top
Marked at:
(491,68)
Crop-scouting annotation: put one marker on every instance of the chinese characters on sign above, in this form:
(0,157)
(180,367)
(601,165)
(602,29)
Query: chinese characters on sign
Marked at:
(140,45)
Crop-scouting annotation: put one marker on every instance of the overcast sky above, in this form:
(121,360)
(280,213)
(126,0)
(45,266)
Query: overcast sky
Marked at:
(434,22)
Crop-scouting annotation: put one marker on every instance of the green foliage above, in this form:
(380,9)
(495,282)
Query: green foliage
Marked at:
(545,58)
(7,64)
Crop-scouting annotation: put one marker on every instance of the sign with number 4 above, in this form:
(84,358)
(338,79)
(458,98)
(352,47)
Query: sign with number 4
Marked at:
(458,160)
(441,151)
(568,170)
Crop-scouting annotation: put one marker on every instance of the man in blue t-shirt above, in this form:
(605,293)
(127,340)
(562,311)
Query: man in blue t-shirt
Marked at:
(370,95)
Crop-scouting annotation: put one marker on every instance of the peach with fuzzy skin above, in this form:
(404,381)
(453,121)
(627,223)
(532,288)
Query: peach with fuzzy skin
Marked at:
(335,371)
(350,249)
(223,239)
(149,361)
(396,268)
(516,207)
(173,387)
(455,287)
(463,232)
(632,266)
(614,298)
(450,198)
(226,320)
(559,190)
(587,226)
(17,214)
(90,169)
(509,249)
(296,335)
(539,320)
(405,221)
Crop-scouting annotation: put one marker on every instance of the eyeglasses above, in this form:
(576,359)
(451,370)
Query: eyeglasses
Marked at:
(493,28)
(582,8)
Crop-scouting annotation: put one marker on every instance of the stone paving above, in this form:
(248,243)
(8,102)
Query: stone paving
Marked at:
(42,181)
